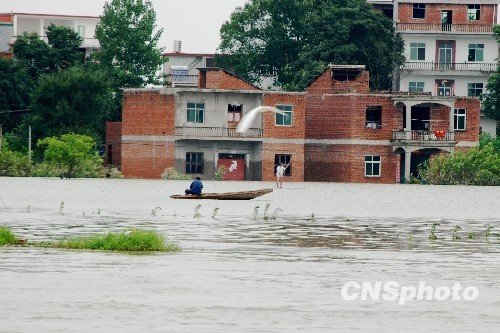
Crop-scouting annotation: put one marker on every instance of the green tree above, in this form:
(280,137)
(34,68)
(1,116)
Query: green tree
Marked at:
(16,87)
(297,39)
(76,100)
(65,44)
(491,99)
(34,54)
(73,154)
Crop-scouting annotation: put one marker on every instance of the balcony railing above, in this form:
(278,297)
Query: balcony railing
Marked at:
(216,132)
(423,135)
(86,42)
(182,80)
(460,28)
(455,66)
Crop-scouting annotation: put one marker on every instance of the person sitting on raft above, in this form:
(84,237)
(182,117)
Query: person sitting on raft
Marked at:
(195,187)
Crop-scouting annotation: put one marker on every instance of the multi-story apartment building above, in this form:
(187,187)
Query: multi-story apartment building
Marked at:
(336,130)
(450,49)
(14,24)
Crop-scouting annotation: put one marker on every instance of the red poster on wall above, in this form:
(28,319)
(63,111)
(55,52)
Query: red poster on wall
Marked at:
(235,168)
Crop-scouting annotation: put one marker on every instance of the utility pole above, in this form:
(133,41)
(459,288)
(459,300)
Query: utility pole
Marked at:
(29,142)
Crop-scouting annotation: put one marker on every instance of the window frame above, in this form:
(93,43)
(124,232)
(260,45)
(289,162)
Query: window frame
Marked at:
(282,107)
(456,116)
(474,51)
(473,86)
(417,47)
(79,29)
(370,161)
(197,164)
(420,7)
(474,11)
(197,112)
(373,123)
(287,157)
(416,87)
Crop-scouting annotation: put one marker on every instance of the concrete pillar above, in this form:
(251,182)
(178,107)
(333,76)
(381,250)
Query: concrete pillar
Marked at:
(395,13)
(407,165)
(408,120)
(41,33)
(452,109)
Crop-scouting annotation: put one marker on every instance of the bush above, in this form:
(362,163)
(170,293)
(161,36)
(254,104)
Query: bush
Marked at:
(220,172)
(7,237)
(14,164)
(478,166)
(172,174)
(111,171)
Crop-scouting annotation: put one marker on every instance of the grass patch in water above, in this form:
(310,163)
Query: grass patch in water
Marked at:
(132,241)
(7,237)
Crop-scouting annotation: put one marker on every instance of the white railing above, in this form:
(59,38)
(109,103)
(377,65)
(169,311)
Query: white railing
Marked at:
(182,80)
(216,132)
(461,28)
(455,66)
(86,42)
(439,135)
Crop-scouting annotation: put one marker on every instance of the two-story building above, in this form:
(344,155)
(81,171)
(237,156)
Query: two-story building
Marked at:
(13,25)
(336,130)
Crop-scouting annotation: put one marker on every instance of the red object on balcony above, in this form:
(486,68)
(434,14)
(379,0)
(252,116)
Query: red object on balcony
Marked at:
(439,134)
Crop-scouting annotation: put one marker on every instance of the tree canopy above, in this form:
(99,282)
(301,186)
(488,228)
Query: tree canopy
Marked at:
(297,39)
(491,99)
(129,42)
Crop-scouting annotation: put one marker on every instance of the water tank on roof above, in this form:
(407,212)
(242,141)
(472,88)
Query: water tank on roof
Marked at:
(177,46)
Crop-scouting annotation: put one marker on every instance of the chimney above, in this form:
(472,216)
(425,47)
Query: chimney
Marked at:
(177,46)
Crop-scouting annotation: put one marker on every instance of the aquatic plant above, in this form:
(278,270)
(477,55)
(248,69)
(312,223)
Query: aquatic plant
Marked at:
(7,237)
(61,207)
(410,238)
(433,236)
(214,213)
(221,171)
(266,211)
(487,232)
(455,235)
(197,211)
(275,214)
(132,241)
(471,235)
(172,174)
(154,211)
(256,212)
(28,209)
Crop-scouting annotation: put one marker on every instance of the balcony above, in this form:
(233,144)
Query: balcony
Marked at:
(456,66)
(189,132)
(182,80)
(431,137)
(86,42)
(446,28)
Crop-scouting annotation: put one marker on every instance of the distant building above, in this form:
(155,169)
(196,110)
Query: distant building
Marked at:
(450,49)
(335,130)
(13,25)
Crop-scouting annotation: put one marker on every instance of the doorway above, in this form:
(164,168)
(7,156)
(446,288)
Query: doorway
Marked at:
(420,118)
(235,165)
(446,20)
(445,56)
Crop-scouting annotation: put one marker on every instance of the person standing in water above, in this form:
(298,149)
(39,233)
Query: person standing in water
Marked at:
(280,173)
(195,187)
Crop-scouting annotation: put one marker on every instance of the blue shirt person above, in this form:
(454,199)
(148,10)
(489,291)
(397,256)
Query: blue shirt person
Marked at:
(196,187)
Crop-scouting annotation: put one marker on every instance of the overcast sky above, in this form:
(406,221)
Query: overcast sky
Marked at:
(195,22)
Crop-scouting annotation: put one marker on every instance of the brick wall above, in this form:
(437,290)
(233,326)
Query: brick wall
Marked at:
(220,79)
(113,143)
(433,14)
(297,161)
(325,84)
(473,119)
(344,116)
(146,159)
(346,163)
(297,130)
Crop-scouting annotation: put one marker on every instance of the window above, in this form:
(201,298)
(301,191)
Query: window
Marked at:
(284,120)
(475,89)
(234,113)
(419,10)
(416,87)
(283,159)
(459,119)
(372,166)
(445,87)
(373,117)
(474,12)
(195,113)
(194,162)
(80,30)
(417,51)
(476,52)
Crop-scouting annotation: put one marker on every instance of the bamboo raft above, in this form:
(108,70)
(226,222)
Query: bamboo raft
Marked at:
(244,195)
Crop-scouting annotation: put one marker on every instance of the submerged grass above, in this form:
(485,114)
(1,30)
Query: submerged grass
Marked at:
(7,237)
(132,241)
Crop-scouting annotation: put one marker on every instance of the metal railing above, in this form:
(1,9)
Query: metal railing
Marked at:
(216,132)
(182,80)
(461,28)
(86,42)
(423,135)
(455,66)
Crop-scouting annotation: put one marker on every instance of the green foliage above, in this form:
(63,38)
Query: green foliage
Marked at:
(478,166)
(220,172)
(485,139)
(34,54)
(14,164)
(132,241)
(172,174)
(432,235)
(71,154)
(65,44)
(298,38)
(76,100)
(491,99)
(7,237)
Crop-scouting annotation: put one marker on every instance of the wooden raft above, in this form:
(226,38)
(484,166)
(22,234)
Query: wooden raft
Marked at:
(245,195)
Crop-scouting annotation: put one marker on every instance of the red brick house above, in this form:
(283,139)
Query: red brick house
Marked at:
(337,130)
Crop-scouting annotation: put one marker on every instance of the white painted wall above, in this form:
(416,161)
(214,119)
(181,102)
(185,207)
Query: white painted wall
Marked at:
(488,125)
(461,82)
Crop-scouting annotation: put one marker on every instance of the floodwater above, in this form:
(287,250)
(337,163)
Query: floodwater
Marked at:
(274,264)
